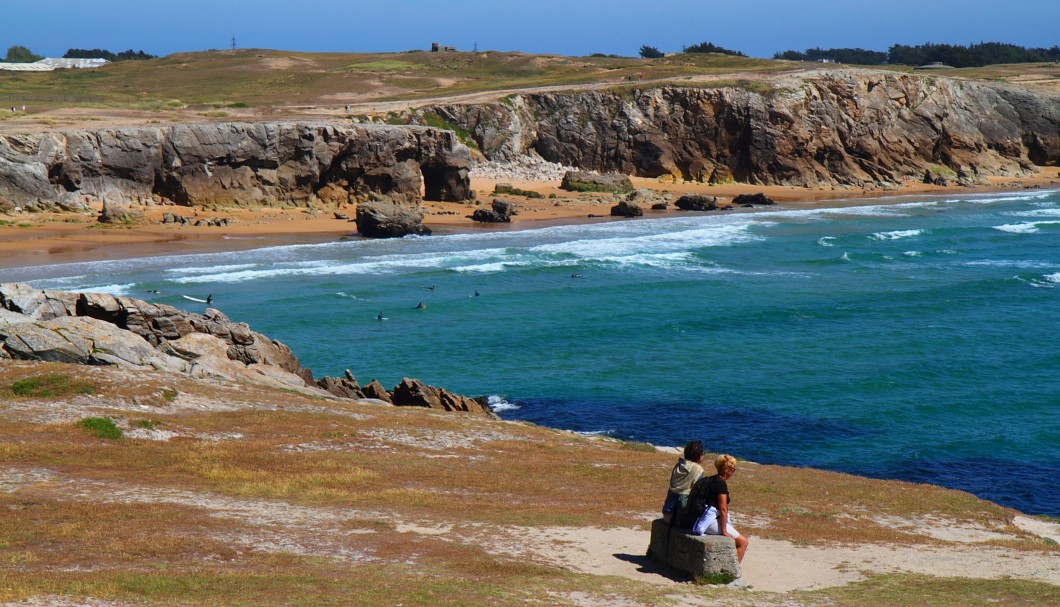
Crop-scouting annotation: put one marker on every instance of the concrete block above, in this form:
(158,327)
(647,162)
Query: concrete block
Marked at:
(698,555)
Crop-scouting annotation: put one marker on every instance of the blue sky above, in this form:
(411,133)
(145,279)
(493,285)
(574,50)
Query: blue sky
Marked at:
(759,28)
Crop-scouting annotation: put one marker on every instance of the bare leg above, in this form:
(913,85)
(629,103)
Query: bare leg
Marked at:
(741,547)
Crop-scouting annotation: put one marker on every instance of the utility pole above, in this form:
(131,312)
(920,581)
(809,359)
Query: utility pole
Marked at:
(233,43)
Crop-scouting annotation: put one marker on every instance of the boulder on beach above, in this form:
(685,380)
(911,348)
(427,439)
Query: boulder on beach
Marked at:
(752,200)
(114,212)
(388,219)
(581,181)
(697,202)
(501,212)
(626,209)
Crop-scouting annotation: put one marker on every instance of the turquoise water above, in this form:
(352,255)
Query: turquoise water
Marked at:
(912,339)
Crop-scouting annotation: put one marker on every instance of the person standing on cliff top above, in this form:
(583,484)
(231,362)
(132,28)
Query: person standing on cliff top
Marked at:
(686,472)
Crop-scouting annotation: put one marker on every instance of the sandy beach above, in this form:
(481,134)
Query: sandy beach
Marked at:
(47,238)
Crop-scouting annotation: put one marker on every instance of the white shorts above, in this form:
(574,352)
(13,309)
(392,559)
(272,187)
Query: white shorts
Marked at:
(708,524)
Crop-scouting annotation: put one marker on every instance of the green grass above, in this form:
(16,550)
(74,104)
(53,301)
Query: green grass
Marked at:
(100,427)
(387,66)
(716,579)
(437,121)
(50,386)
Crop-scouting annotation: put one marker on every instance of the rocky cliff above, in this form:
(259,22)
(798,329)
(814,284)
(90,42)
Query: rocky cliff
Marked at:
(838,127)
(232,163)
(101,329)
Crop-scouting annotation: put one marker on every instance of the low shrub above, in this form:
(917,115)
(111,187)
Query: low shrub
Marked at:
(50,386)
(100,427)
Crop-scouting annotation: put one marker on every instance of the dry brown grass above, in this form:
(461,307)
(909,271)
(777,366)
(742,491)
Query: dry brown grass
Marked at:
(269,497)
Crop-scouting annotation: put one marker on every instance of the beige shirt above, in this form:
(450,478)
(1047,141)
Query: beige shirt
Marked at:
(685,475)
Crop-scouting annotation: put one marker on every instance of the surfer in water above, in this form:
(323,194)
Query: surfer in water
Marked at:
(421,306)
(380,316)
(209,298)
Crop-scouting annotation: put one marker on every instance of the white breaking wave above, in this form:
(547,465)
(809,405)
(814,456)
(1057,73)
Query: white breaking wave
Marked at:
(1049,212)
(1053,278)
(896,235)
(1031,227)
(497,403)
(912,253)
(826,241)
(1021,264)
(116,290)
(211,269)
(666,242)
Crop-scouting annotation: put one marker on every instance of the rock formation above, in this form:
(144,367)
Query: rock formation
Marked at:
(501,212)
(581,181)
(697,202)
(387,219)
(839,127)
(626,208)
(232,163)
(753,200)
(119,213)
(101,329)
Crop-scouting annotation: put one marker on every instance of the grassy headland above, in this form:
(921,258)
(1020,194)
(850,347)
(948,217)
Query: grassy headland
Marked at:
(223,494)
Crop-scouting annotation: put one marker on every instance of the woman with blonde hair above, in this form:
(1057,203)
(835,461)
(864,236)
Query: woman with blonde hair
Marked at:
(714,491)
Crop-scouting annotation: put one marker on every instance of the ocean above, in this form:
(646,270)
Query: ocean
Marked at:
(915,338)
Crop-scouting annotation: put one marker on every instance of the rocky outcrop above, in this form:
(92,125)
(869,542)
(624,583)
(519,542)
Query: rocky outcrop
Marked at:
(753,200)
(839,127)
(626,208)
(102,329)
(232,163)
(119,213)
(697,202)
(213,222)
(581,181)
(387,219)
(414,393)
(501,212)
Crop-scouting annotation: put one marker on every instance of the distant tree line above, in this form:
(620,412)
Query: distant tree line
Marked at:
(974,55)
(858,56)
(650,52)
(707,47)
(98,53)
(21,54)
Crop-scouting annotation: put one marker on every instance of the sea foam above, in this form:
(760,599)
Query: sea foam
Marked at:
(497,403)
(896,234)
(1031,227)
